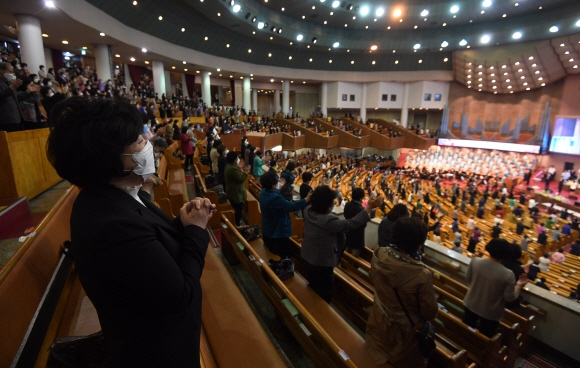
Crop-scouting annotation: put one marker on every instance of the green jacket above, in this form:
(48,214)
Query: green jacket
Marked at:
(235,188)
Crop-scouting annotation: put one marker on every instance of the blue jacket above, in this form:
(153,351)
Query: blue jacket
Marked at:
(275,208)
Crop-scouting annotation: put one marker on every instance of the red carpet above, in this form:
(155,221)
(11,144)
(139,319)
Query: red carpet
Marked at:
(188,179)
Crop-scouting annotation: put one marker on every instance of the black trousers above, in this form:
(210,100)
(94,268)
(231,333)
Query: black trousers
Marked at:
(321,279)
(278,246)
(188,161)
(12,127)
(485,326)
(238,208)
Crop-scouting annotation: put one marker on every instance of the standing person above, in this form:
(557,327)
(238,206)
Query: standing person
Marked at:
(491,286)
(214,157)
(402,282)
(235,177)
(257,165)
(305,187)
(355,240)
(222,165)
(287,179)
(10,99)
(386,225)
(324,239)
(276,224)
(150,314)
(186,148)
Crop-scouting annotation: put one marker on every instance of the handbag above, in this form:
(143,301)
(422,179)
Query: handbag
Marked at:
(78,352)
(251,233)
(425,336)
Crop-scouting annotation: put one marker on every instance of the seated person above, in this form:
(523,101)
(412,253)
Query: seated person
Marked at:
(558,257)
(533,270)
(541,282)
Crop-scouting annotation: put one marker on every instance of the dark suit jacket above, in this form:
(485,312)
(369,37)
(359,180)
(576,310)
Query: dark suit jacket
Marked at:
(141,270)
(355,238)
(9,104)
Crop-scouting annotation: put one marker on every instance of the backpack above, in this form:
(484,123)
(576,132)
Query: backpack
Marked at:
(252,232)
(283,268)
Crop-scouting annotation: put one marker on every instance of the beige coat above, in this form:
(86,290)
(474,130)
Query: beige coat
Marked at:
(389,335)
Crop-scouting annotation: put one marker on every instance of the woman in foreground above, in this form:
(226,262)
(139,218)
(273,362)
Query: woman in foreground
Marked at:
(140,269)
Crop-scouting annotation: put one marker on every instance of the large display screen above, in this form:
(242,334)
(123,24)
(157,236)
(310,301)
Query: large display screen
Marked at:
(566,137)
(500,146)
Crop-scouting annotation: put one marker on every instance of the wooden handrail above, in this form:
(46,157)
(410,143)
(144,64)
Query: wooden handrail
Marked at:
(17,256)
(309,319)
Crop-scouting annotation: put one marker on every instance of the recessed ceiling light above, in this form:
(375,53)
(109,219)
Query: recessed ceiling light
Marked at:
(554,29)
(289,57)
(310,60)
(380,12)
(237,8)
(182,29)
(283,9)
(219,14)
(172,67)
(417,46)
(299,37)
(373,62)
(65,42)
(397,13)
(374,46)
(486,3)
(132,59)
(523,77)
(503,16)
(525,83)
(304,17)
(482,12)
(541,78)
(571,60)
(517,35)
(575,66)
(143,49)
(249,51)
(517,63)
(396,61)
(364,10)
(485,39)
(102,34)
(272,80)
(44,35)
(260,25)
(134,3)
(330,61)
(444,24)
(218,69)
(160,17)
(420,61)
(509,87)
(531,58)
(425,13)
(206,38)
(543,84)
(463,42)
(227,45)
(508,80)
(445,60)
(454,9)
(335,4)
(336,44)
(117,55)
(352,62)
(444,44)
(269,55)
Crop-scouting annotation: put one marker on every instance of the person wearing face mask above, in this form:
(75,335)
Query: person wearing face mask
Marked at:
(41,72)
(4,57)
(49,99)
(51,75)
(10,98)
(140,269)
(25,72)
(235,175)
(31,114)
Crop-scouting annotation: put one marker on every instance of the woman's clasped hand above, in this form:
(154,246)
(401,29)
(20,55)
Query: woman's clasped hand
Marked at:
(197,212)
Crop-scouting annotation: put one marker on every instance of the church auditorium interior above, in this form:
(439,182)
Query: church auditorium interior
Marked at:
(362,171)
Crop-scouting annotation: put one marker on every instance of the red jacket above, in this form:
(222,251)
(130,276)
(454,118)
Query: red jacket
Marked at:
(186,148)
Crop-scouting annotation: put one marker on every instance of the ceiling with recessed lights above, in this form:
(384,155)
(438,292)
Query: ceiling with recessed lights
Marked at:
(308,34)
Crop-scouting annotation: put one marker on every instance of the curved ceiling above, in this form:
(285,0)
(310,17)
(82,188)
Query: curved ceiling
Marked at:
(344,37)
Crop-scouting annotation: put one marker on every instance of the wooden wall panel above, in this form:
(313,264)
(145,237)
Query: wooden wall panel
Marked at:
(24,168)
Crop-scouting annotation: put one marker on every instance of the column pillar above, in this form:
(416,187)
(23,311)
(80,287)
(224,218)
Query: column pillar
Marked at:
(30,38)
(128,80)
(277,101)
(405,106)
(247,86)
(103,62)
(158,77)
(286,97)
(363,103)
(323,98)
(205,88)
(255,100)
(168,89)
(184,86)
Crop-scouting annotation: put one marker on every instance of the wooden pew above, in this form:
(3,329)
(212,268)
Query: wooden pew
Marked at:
(164,194)
(320,330)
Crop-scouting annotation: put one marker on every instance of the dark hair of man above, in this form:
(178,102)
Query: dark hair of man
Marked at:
(258,153)
(358,194)
(221,149)
(4,66)
(160,142)
(515,252)
(499,249)
(184,130)
(306,177)
(399,210)
(44,91)
(231,157)
(87,139)
(409,234)
(322,199)
(269,180)
(290,166)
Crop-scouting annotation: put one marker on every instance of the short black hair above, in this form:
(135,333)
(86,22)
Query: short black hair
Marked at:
(358,194)
(399,210)
(184,130)
(221,149)
(269,179)
(160,142)
(306,177)
(87,139)
(499,248)
(231,157)
(322,199)
(290,166)
(409,234)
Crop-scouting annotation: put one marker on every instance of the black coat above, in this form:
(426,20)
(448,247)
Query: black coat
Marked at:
(141,270)
(355,238)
